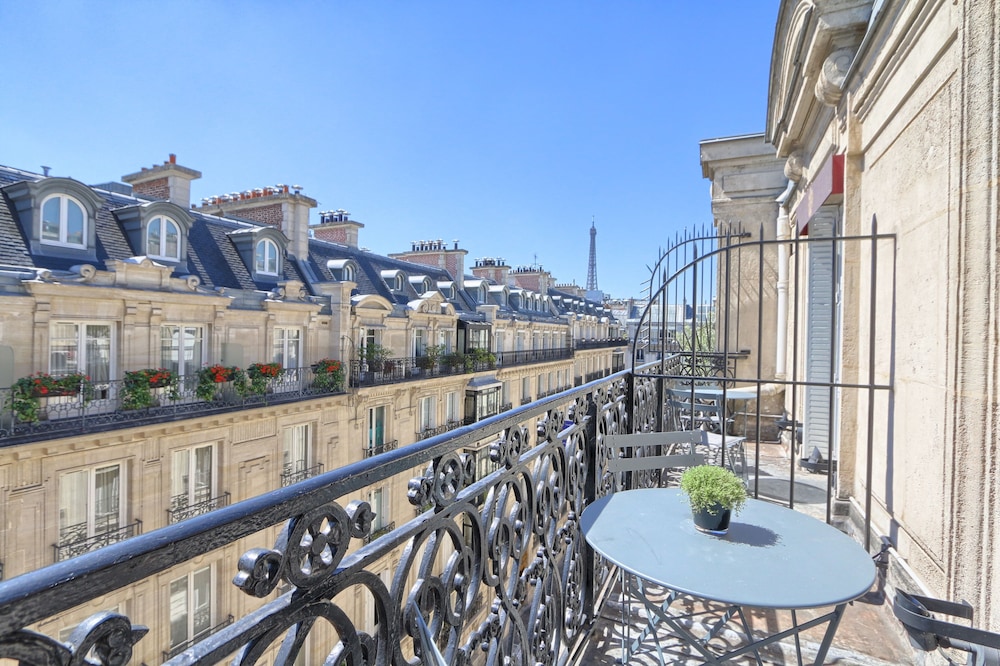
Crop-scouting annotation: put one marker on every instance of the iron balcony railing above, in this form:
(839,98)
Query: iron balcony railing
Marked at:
(76,540)
(508,542)
(430,432)
(294,474)
(377,449)
(526,357)
(180,647)
(601,344)
(379,531)
(105,405)
(181,508)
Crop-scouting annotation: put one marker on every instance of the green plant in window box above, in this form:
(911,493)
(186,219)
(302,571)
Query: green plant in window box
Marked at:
(138,386)
(27,392)
(484,357)
(328,375)
(257,377)
(212,377)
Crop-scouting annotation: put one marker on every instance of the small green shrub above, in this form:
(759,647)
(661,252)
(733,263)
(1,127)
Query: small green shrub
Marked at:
(710,485)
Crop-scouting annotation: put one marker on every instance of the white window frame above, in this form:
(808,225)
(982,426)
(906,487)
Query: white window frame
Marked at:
(373,432)
(82,346)
(287,338)
(165,223)
(451,407)
(191,605)
(63,222)
(93,521)
(297,448)
(189,341)
(427,412)
(378,499)
(194,494)
(419,341)
(266,259)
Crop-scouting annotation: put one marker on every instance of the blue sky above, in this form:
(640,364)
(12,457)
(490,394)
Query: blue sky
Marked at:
(506,125)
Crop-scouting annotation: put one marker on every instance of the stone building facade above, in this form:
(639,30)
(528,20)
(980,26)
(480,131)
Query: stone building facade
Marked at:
(104,281)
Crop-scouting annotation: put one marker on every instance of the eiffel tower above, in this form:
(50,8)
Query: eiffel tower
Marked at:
(592,266)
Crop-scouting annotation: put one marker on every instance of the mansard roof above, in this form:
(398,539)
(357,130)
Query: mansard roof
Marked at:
(211,256)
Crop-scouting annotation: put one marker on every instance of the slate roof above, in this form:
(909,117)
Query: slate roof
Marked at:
(213,257)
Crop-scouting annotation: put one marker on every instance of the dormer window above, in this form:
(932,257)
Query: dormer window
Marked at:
(163,239)
(347,275)
(266,257)
(64,221)
(394,279)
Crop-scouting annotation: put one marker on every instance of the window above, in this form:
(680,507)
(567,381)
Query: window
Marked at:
(296,458)
(182,349)
(397,283)
(347,273)
(481,404)
(64,221)
(427,408)
(451,407)
(526,390)
(481,294)
(79,347)
(266,257)
(379,501)
(287,347)
(163,238)
(419,342)
(376,427)
(444,339)
(192,481)
(90,504)
(479,338)
(190,606)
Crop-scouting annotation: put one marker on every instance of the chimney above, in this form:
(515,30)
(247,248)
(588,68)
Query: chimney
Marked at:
(437,254)
(336,226)
(276,206)
(168,182)
(492,269)
(534,278)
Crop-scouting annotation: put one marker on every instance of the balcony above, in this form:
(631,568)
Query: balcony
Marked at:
(181,507)
(177,649)
(293,474)
(379,449)
(507,544)
(74,540)
(106,406)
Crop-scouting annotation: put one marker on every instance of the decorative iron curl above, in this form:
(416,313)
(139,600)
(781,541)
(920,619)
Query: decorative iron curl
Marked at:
(109,635)
(316,543)
(550,428)
(507,450)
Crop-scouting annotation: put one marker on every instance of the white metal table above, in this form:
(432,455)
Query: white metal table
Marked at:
(772,558)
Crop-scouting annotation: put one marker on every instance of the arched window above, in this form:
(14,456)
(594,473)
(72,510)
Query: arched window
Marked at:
(163,238)
(347,274)
(64,221)
(481,297)
(266,258)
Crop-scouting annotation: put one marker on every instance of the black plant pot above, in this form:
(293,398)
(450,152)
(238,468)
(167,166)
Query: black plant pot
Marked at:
(709,523)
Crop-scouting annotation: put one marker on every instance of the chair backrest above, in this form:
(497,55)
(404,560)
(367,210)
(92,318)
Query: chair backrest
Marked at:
(705,410)
(684,440)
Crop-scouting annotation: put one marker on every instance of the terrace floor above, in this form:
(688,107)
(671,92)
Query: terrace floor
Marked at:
(868,635)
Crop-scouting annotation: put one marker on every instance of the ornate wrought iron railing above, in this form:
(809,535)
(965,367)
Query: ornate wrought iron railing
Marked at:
(600,344)
(180,647)
(377,532)
(182,509)
(74,540)
(524,357)
(295,474)
(379,449)
(508,541)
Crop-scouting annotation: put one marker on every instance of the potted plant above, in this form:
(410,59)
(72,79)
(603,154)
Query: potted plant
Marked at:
(484,357)
(328,375)
(211,377)
(27,392)
(429,359)
(138,385)
(258,375)
(715,495)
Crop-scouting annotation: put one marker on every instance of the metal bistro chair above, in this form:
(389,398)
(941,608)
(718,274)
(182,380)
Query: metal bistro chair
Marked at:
(708,415)
(654,458)
(649,459)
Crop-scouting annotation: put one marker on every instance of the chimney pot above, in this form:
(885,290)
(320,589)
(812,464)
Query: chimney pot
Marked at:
(173,158)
